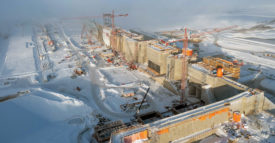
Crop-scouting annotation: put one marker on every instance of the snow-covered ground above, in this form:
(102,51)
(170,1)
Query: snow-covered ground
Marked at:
(36,111)
(18,59)
(53,104)
(44,116)
(42,98)
(119,79)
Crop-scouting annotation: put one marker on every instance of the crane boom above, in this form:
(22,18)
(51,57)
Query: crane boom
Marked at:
(215,30)
(109,20)
(184,50)
(196,35)
(112,16)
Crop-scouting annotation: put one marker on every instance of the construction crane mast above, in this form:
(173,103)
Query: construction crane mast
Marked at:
(184,66)
(184,54)
(184,63)
(109,20)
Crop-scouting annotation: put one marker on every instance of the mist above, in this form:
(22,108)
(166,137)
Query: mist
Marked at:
(148,15)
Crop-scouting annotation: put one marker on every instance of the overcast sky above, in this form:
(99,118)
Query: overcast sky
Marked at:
(145,14)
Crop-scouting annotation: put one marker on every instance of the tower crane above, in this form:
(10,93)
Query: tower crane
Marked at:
(184,63)
(108,19)
(184,66)
(215,30)
(195,35)
(184,53)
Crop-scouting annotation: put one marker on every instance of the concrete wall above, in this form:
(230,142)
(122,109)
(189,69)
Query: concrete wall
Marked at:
(174,68)
(191,125)
(130,49)
(119,43)
(133,50)
(221,88)
(200,77)
(188,125)
(142,50)
(159,58)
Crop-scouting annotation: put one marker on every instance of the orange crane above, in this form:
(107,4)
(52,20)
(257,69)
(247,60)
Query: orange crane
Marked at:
(185,54)
(215,30)
(184,65)
(184,62)
(196,35)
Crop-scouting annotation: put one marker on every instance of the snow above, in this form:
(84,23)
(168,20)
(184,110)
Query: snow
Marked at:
(251,44)
(53,111)
(59,109)
(245,45)
(247,57)
(42,116)
(19,59)
(118,76)
(3,49)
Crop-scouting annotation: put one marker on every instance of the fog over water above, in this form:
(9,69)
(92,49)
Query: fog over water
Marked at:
(148,15)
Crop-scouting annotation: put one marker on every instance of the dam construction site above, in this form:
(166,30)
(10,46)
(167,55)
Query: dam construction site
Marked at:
(86,80)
